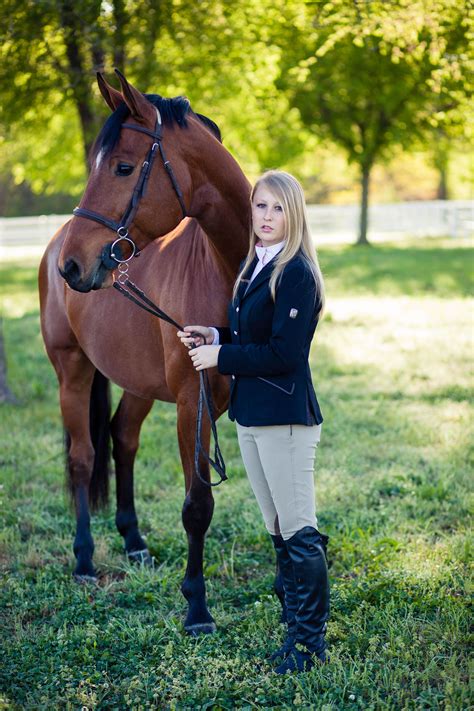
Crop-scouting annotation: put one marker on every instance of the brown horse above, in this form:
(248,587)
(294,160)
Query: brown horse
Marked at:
(188,268)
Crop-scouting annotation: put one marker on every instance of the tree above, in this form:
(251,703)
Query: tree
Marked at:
(366,75)
(214,51)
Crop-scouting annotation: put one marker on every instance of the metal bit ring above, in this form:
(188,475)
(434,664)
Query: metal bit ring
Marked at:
(119,239)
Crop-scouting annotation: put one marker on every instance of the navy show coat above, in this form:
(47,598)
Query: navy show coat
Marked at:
(266,348)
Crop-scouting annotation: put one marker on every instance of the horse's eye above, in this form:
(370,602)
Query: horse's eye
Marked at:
(124,169)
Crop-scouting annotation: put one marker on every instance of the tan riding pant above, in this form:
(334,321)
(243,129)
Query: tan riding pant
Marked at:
(279,460)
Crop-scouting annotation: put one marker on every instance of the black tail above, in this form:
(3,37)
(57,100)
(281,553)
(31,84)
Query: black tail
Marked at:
(99,419)
(99,424)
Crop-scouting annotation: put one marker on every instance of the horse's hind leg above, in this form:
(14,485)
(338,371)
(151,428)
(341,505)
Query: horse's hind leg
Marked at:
(197,514)
(125,430)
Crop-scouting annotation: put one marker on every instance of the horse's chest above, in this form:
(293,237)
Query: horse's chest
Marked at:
(124,344)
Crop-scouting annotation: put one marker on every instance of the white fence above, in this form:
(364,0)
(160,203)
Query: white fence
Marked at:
(453,218)
(329,223)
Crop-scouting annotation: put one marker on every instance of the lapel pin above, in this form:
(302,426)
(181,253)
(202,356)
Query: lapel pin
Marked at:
(293,313)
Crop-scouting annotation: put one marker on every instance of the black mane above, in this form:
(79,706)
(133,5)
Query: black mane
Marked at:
(172,111)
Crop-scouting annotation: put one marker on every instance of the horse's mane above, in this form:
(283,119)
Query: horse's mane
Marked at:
(173,111)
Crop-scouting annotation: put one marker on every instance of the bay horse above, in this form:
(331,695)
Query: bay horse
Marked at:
(93,335)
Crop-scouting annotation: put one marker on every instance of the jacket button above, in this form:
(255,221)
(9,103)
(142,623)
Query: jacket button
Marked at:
(237,309)
(235,333)
(233,377)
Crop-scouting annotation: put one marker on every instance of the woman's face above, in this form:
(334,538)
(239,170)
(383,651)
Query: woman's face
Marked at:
(268,219)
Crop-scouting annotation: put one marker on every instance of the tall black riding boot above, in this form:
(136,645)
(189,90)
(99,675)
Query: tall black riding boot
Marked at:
(307,551)
(291,598)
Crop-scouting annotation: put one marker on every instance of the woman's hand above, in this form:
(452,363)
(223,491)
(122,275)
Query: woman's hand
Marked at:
(205,356)
(206,336)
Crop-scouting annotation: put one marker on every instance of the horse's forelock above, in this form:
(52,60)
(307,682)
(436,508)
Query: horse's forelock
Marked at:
(173,111)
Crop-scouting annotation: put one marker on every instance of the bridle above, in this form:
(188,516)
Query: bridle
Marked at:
(122,226)
(138,297)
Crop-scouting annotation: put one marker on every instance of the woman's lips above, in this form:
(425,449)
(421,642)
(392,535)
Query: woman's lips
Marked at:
(266,228)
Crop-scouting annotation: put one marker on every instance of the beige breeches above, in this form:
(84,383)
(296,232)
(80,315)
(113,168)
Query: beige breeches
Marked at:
(279,460)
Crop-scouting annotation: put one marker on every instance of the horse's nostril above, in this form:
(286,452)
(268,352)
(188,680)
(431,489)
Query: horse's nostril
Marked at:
(71,271)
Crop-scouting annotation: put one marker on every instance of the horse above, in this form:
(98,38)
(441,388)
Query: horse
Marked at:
(189,213)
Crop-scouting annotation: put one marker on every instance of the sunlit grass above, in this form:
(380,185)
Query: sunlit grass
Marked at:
(392,364)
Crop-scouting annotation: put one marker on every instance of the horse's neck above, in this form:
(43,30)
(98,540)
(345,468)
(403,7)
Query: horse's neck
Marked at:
(228,233)
(222,208)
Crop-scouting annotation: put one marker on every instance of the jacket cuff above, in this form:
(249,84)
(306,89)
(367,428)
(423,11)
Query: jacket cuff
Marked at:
(224,360)
(216,340)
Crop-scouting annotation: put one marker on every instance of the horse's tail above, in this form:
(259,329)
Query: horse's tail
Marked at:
(99,424)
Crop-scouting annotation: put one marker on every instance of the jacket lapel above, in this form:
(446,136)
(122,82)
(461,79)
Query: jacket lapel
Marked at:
(263,276)
(245,279)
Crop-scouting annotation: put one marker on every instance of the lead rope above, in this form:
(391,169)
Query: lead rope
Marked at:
(138,297)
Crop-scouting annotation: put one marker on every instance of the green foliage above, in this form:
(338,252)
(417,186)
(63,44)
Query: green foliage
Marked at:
(366,75)
(213,51)
(391,365)
(369,75)
(373,75)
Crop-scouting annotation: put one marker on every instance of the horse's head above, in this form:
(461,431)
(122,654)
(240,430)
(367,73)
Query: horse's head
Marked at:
(139,185)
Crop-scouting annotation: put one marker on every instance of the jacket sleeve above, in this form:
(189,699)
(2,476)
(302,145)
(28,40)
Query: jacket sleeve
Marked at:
(224,334)
(293,315)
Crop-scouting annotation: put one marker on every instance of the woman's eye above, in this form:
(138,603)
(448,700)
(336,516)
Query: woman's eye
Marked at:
(278,208)
(124,169)
(261,204)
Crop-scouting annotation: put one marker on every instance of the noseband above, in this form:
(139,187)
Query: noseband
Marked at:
(121,227)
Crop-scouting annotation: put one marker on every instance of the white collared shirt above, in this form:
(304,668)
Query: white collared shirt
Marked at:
(264,254)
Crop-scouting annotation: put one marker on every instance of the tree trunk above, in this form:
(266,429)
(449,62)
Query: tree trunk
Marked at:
(442,191)
(364,206)
(120,19)
(441,163)
(6,394)
(74,32)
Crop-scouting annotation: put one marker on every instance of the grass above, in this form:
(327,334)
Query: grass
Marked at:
(391,362)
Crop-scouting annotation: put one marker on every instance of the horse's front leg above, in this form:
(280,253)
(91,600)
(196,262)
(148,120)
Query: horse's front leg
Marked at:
(196,514)
(76,374)
(125,430)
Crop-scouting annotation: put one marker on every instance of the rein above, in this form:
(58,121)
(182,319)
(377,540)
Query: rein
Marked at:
(138,297)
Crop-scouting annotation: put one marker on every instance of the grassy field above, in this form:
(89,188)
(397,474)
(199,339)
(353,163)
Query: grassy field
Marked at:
(391,364)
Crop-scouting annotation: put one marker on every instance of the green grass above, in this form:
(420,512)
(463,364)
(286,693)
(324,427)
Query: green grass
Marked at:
(392,364)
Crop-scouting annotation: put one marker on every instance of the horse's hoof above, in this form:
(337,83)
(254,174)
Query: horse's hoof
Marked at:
(203,628)
(142,557)
(85,579)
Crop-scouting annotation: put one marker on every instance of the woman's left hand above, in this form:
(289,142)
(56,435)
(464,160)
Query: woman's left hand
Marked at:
(204,356)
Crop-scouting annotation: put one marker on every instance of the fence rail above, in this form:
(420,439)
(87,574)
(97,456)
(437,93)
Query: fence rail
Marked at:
(453,218)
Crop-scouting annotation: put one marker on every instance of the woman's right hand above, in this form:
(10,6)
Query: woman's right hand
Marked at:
(202,335)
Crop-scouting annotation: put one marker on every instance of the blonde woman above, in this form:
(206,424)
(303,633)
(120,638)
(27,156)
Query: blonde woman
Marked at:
(277,300)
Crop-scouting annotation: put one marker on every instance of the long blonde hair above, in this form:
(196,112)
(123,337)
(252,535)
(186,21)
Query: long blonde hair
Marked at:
(289,193)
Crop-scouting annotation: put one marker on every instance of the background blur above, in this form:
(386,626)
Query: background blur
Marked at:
(347,95)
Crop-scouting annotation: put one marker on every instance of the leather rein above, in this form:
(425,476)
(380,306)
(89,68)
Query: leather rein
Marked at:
(132,292)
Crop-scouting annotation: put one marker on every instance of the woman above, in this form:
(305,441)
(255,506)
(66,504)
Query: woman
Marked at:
(277,300)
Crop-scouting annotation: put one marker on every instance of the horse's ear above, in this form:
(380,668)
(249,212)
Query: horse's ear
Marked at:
(112,97)
(139,106)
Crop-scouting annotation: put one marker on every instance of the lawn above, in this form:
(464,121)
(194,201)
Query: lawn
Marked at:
(392,366)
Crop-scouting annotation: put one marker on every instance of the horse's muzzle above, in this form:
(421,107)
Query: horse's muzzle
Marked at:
(71,273)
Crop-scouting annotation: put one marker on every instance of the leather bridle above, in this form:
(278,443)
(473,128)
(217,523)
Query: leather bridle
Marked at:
(121,228)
